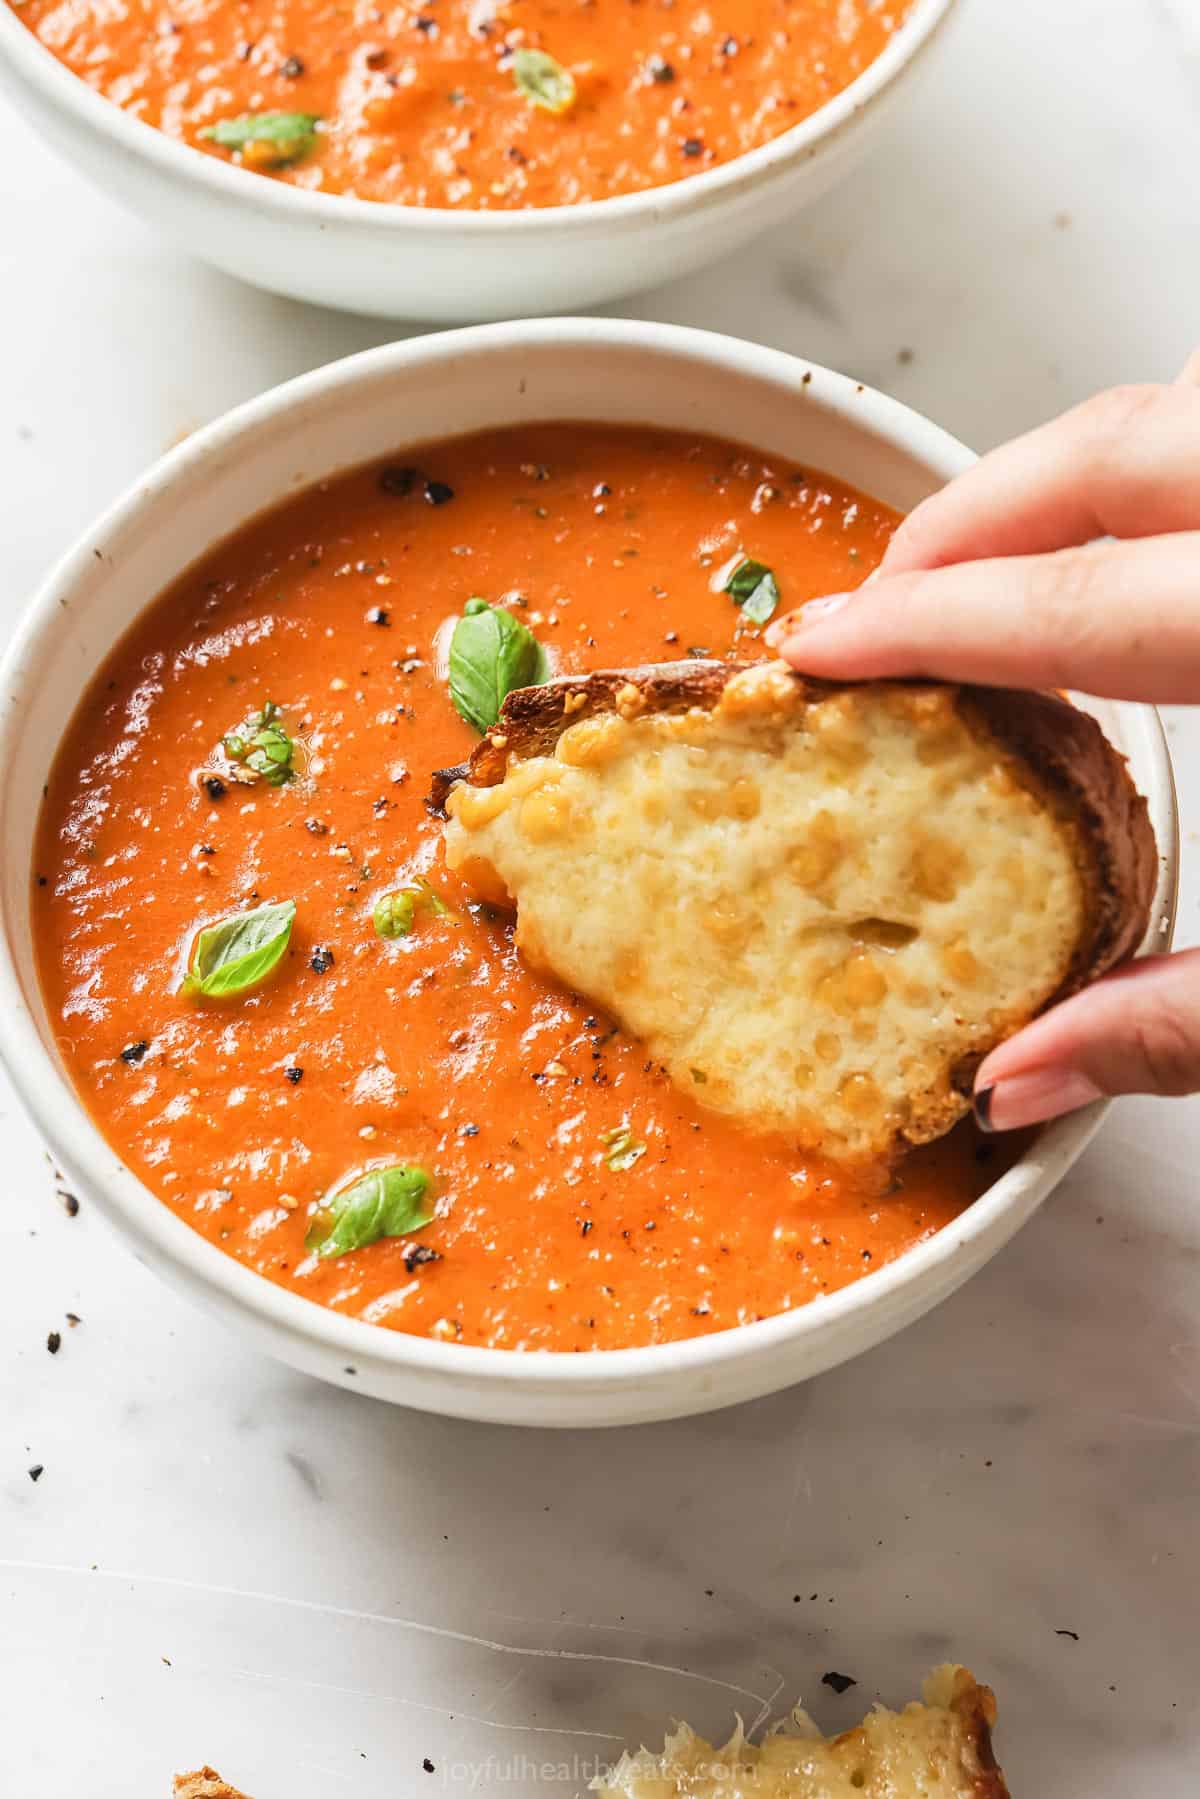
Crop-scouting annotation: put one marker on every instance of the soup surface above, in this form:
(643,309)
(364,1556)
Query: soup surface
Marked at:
(437,102)
(438,1048)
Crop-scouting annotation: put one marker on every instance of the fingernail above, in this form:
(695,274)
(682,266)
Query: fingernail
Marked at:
(814,612)
(1032,1098)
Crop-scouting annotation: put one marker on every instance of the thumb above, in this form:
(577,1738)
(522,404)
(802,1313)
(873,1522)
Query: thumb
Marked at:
(1137,1031)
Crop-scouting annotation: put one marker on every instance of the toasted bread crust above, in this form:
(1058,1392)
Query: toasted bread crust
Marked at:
(1059,752)
(205,1783)
(975,1707)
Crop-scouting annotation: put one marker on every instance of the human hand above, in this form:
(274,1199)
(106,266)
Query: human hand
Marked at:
(999,578)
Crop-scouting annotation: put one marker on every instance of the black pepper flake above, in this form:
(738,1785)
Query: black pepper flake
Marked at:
(41,881)
(692,146)
(215,787)
(316,827)
(1073,1634)
(321,961)
(438,492)
(426,24)
(54,1342)
(70,1203)
(841,1683)
(660,70)
(730,47)
(469,1130)
(291,68)
(585,1227)
(419,1255)
(37,1471)
(207,849)
(427,1765)
(294,1075)
(515,154)
(133,1052)
(73,1319)
(398,481)
(379,615)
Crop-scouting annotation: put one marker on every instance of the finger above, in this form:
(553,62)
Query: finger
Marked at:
(1137,1031)
(1125,464)
(1121,620)
(1189,374)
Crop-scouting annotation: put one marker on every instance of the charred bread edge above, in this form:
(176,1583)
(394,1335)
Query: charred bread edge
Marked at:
(975,1705)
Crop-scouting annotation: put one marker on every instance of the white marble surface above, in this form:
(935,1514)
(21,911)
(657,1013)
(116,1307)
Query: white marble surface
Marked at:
(224,1561)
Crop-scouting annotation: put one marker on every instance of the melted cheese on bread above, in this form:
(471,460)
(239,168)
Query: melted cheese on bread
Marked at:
(937,1750)
(814,909)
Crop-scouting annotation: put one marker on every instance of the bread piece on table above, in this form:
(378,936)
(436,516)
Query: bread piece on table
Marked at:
(941,1749)
(204,1783)
(818,905)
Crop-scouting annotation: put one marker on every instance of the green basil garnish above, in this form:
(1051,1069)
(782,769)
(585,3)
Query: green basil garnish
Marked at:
(240,951)
(395,913)
(284,136)
(262,746)
(385,1202)
(622,1149)
(491,654)
(543,80)
(753,585)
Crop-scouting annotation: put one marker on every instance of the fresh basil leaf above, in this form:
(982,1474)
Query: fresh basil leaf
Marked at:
(753,585)
(491,654)
(240,951)
(622,1149)
(543,80)
(284,136)
(262,746)
(395,913)
(384,1202)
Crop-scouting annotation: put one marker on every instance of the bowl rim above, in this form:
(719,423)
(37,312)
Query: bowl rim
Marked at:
(61,89)
(60,1114)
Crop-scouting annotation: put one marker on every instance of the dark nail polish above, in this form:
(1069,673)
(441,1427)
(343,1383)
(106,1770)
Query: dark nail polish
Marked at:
(982,1104)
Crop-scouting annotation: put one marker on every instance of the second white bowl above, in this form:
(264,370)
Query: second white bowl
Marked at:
(455,266)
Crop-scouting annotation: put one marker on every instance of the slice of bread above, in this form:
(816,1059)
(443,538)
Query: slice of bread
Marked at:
(941,1749)
(204,1783)
(818,906)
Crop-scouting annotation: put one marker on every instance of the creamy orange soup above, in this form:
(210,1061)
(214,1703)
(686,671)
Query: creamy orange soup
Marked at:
(436,1049)
(469,103)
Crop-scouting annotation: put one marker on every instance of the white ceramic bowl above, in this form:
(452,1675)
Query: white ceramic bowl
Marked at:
(368,407)
(452,266)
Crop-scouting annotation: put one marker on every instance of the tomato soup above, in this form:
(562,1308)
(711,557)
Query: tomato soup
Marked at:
(469,103)
(576,1199)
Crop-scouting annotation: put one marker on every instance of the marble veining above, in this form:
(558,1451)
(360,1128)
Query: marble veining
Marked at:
(223,1561)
